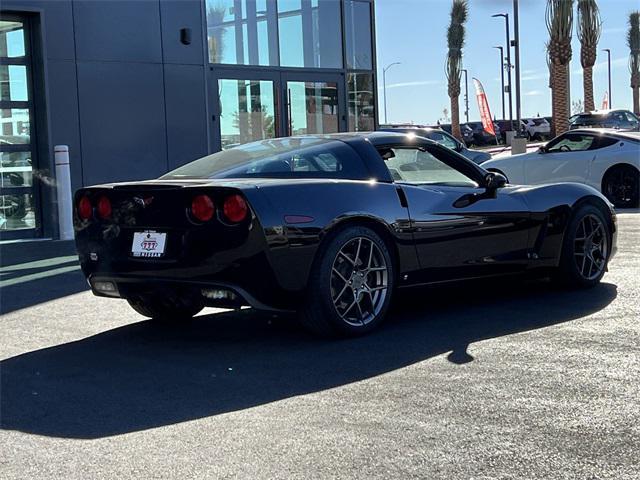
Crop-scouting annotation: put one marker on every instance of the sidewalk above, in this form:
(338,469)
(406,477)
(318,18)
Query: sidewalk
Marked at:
(33,272)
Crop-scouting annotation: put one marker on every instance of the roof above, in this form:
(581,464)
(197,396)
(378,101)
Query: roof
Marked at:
(375,138)
(611,132)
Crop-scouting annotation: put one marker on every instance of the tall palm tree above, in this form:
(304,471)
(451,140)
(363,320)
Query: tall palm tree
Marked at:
(455,42)
(559,25)
(633,40)
(589,29)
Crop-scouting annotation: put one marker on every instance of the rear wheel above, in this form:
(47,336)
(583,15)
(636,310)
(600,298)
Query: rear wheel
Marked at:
(621,186)
(350,287)
(586,248)
(165,308)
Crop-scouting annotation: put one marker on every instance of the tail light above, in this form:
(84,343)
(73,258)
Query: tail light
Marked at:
(202,208)
(235,208)
(104,207)
(85,209)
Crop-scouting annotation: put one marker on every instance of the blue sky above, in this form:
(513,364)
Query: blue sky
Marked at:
(413,32)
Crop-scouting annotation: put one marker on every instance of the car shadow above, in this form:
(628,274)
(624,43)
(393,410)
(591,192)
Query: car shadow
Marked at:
(146,375)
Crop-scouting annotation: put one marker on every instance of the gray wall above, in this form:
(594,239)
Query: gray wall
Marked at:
(121,89)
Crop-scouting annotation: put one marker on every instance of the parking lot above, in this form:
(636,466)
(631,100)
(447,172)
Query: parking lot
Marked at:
(493,380)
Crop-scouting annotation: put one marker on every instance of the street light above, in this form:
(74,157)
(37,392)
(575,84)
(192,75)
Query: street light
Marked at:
(502,77)
(508,37)
(608,50)
(466,94)
(516,44)
(384,86)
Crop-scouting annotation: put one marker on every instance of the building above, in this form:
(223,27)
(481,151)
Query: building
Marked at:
(138,87)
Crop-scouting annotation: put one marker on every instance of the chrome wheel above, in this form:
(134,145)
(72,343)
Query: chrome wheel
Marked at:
(359,281)
(590,247)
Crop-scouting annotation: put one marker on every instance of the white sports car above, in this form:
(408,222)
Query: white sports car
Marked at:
(606,159)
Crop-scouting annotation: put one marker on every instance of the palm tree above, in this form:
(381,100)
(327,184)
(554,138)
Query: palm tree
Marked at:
(633,40)
(559,25)
(455,42)
(589,28)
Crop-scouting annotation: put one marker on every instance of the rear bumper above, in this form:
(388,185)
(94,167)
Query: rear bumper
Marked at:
(214,294)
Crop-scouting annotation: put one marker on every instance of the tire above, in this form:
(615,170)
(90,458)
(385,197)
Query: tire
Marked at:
(621,186)
(166,309)
(583,262)
(349,294)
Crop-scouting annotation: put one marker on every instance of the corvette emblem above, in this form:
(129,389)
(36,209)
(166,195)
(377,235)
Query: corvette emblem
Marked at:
(143,202)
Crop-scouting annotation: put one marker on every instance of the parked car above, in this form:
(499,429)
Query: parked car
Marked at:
(481,136)
(329,226)
(619,119)
(536,128)
(443,138)
(608,160)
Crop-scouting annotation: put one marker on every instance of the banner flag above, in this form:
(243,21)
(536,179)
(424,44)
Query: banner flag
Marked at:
(483,106)
(605,101)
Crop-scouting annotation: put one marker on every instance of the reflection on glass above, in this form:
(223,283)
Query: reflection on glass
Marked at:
(15,169)
(240,32)
(310,33)
(361,102)
(358,34)
(14,126)
(11,39)
(17,212)
(246,111)
(13,83)
(313,107)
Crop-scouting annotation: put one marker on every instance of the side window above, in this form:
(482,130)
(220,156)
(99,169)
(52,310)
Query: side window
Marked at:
(632,119)
(573,142)
(412,165)
(605,142)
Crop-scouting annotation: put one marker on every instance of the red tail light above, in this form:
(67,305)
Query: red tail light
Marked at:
(202,208)
(235,208)
(85,209)
(104,207)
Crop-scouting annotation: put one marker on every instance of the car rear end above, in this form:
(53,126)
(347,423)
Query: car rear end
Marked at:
(181,238)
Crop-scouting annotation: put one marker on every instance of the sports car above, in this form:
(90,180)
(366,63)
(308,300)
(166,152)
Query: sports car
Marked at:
(606,159)
(330,227)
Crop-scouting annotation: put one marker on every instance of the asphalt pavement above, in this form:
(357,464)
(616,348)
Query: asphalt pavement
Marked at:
(508,380)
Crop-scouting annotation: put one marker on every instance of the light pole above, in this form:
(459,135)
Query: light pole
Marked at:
(502,77)
(384,86)
(506,24)
(516,44)
(466,94)
(608,50)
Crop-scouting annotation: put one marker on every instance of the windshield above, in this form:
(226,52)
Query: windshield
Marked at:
(295,157)
(588,120)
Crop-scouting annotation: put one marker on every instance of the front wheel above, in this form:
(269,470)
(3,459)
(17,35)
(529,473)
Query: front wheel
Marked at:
(621,186)
(166,309)
(351,284)
(586,248)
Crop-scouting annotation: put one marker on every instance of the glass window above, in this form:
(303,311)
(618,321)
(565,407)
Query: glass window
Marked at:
(242,32)
(358,35)
(361,102)
(572,142)
(13,83)
(442,138)
(15,126)
(412,165)
(11,39)
(17,212)
(279,158)
(15,169)
(247,111)
(313,107)
(310,33)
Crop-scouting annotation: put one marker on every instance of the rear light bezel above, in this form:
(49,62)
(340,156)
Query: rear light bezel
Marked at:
(228,218)
(191,214)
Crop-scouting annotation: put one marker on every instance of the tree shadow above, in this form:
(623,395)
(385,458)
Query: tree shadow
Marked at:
(146,375)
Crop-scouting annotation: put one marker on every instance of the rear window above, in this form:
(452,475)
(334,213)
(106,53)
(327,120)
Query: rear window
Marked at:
(296,157)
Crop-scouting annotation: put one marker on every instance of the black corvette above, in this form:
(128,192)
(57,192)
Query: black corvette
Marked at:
(330,226)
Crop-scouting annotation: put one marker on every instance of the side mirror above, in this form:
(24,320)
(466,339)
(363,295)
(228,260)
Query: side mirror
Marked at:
(494,181)
(542,149)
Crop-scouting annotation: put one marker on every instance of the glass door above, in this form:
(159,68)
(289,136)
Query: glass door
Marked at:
(314,103)
(246,108)
(18,195)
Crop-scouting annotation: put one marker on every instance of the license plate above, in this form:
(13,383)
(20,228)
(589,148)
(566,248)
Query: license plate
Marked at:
(148,244)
